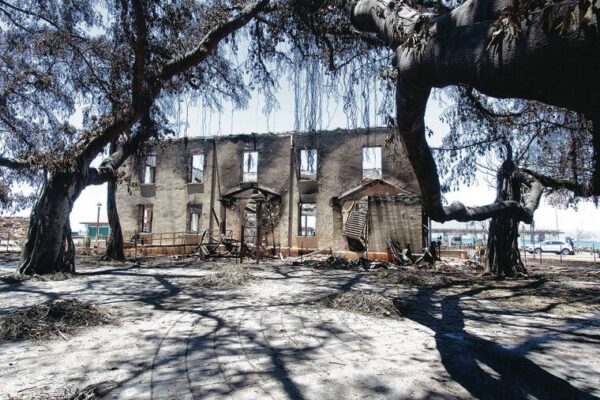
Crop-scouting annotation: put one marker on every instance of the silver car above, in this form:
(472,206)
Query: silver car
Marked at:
(551,246)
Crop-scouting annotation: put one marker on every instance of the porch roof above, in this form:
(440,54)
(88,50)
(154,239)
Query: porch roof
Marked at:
(375,187)
(240,191)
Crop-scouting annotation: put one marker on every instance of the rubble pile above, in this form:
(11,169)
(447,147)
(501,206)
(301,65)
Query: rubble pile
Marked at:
(373,304)
(404,258)
(356,264)
(459,265)
(230,276)
(52,319)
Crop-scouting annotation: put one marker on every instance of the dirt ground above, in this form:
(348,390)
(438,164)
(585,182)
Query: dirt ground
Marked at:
(451,335)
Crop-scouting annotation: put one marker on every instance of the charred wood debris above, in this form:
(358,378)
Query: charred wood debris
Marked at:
(403,257)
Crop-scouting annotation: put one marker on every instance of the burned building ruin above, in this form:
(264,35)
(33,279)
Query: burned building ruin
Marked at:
(346,190)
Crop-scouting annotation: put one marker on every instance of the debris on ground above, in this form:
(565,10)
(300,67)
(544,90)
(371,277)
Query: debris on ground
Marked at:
(543,291)
(51,319)
(230,276)
(404,256)
(458,265)
(11,279)
(332,262)
(92,392)
(355,264)
(373,304)
(414,277)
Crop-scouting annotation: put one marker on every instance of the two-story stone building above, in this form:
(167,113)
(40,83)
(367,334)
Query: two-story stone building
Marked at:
(344,190)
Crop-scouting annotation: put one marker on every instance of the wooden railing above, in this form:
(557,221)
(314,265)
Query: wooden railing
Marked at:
(161,239)
(9,242)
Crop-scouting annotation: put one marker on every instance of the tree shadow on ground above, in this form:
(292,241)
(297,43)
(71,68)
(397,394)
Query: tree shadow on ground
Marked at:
(485,368)
(216,348)
(214,340)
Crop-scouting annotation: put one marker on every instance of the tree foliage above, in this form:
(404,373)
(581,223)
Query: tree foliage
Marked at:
(551,141)
(71,69)
(77,76)
(532,50)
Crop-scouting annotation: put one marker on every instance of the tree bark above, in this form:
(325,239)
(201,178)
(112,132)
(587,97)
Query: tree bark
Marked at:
(114,247)
(49,246)
(504,258)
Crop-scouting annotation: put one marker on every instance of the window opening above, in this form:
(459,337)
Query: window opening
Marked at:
(150,170)
(146,218)
(308,219)
(250,167)
(197,168)
(308,164)
(195,215)
(371,162)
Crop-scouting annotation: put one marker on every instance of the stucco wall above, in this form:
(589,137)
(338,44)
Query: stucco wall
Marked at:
(402,221)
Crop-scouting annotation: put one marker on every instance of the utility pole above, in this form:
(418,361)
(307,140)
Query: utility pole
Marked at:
(258,198)
(291,195)
(533,235)
(98,223)
(213,182)
(556,219)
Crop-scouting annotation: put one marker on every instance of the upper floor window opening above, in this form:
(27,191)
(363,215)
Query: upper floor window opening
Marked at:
(250,167)
(197,173)
(308,164)
(371,163)
(149,170)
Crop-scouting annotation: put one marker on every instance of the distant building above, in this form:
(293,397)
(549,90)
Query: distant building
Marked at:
(13,227)
(348,191)
(90,228)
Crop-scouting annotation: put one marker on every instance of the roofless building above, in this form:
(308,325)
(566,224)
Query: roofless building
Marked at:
(344,190)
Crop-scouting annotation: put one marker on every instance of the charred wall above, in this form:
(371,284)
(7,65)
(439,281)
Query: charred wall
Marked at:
(339,169)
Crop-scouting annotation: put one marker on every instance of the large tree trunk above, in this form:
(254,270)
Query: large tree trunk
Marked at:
(49,246)
(504,258)
(114,248)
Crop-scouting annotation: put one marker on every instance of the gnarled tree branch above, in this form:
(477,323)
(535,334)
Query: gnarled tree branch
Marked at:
(14,163)
(455,51)
(125,120)
(579,189)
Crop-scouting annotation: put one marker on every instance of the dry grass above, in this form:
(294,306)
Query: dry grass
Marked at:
(51,319)
(92,392)
(360,302)
(230,276)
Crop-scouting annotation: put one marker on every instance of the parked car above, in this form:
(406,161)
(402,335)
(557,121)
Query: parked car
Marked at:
(551,246)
